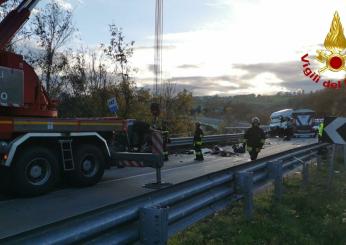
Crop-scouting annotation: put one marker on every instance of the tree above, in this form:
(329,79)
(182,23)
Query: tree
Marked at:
(53,27)
(119,53)
(75,74)
(168,92)
(98,75)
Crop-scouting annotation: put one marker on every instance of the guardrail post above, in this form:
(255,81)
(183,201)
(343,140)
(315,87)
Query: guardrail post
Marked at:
(245,186)
(318,161)
(344,155)
(305,174)
(276,172)
(153,225)
(331,166)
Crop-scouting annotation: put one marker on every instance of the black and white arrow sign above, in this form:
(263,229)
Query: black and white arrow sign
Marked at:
(335,130)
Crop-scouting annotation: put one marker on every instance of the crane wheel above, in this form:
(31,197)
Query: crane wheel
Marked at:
(35,172)
(89,166)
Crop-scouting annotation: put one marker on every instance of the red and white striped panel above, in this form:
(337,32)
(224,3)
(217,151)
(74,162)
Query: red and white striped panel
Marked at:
(133,164)
(157,142)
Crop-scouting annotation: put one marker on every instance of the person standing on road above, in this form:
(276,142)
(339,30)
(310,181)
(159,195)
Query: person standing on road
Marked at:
(197,142)
(254,138)
(140,135)
(320,131)
(289,129)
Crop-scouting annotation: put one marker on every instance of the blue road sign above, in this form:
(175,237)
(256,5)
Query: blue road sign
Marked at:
(113,105)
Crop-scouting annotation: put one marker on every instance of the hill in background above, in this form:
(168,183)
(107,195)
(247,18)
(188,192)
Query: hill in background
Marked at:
(241,108)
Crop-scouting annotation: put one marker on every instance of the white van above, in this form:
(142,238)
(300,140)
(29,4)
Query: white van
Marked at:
(278,122)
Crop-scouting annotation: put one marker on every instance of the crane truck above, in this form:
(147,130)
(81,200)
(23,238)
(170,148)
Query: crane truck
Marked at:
(36,147)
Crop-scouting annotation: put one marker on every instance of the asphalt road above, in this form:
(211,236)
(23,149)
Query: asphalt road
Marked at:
(19,215)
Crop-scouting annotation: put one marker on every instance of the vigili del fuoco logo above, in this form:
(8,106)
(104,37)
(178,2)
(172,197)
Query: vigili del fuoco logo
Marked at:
(332,58)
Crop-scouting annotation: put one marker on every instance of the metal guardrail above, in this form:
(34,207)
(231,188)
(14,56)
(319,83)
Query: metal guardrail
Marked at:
(266,129)
(152,217)
(222,138)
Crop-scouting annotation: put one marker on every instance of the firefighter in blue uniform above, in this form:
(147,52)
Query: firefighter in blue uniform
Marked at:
(197,142)
(254,138)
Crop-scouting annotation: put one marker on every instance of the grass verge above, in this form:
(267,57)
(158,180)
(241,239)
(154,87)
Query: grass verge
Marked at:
(312,215)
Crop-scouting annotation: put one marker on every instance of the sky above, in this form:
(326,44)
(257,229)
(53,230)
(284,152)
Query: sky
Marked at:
(217,47)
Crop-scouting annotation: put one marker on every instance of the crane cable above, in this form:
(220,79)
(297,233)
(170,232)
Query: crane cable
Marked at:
(155,105)
(158,45)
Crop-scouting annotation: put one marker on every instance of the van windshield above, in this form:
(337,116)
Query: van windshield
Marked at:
(276,120)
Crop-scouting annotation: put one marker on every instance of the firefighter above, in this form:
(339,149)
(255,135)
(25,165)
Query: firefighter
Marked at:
(254,138)
(141,135)
(289,129)
(197,142)
(320,131)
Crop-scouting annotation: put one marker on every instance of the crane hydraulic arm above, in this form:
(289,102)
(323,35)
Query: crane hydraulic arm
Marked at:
(21,92)
(14,21)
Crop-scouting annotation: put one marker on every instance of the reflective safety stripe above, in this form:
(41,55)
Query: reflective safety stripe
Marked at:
(198,143)
(262,141)
(320,129)
(248,148)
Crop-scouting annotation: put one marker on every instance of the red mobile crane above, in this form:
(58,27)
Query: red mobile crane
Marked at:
(37,147)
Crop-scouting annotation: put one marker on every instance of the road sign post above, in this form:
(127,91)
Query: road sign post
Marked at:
(331,166)
(153,225)
(318,161)
(305,174)
(245,186)
(276,172)
(345,155)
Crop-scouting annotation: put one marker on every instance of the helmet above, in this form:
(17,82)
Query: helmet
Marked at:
(255,120)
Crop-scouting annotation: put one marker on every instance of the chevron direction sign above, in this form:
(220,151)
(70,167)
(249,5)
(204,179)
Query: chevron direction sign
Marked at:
(334,130)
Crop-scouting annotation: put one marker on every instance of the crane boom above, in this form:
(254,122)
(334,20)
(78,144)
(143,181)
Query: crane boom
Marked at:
(22,93)
(12,23)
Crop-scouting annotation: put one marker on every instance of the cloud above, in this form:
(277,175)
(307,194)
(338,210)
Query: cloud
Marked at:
(64,4)
(187,66)
(260,54)
(290,74)
(139,48)
(200,85)
(287,71)
(260,78)
(226,3)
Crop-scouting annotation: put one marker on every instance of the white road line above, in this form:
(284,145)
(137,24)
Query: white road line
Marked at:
(164,170)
